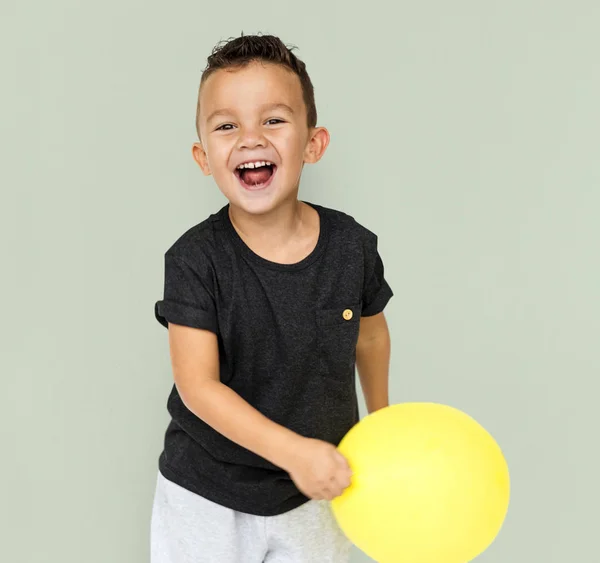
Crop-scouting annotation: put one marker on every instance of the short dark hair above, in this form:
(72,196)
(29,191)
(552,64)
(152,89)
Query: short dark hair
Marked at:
(238,52)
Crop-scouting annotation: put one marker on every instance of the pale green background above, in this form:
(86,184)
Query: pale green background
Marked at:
(465,134)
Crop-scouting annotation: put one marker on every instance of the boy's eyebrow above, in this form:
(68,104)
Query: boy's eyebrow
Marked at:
(227,111)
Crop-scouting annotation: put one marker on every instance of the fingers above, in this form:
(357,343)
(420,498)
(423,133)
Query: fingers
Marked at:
(333,492)
(328,492)
(342,461)
(328,475)
(344,466)
(345,473)
(337,486)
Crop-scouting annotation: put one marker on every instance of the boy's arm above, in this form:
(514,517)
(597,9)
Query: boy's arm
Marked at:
(195,363)
(316,467)
(373,351)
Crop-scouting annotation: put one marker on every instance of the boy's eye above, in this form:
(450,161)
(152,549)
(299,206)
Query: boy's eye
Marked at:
(221,128)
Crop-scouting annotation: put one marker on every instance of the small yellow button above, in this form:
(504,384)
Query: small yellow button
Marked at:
(348,314)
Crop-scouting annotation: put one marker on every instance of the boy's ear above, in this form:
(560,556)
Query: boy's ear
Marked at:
(200,157)
(317,144)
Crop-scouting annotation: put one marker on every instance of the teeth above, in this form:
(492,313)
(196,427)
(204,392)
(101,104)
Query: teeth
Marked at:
(255,164)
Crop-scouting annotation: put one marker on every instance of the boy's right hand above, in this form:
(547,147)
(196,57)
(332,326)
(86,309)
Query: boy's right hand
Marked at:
(319,470)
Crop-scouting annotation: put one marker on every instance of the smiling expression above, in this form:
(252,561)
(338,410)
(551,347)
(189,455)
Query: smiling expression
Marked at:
(254,135)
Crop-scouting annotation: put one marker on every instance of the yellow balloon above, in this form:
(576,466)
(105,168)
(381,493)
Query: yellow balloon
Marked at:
(429,485)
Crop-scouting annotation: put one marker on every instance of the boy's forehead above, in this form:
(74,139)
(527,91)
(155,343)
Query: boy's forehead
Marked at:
(252,87)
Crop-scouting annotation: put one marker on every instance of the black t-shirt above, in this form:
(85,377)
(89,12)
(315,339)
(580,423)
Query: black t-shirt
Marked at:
(287,338)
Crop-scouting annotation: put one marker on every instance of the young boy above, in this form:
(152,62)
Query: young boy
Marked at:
(270,304)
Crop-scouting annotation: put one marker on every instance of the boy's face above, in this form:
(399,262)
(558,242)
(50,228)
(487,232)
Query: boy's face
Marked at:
(256,114)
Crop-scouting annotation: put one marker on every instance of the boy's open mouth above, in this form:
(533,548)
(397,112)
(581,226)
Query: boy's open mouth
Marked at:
(256,176)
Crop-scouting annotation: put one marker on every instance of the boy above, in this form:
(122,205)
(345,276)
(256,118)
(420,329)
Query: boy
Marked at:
(270,304)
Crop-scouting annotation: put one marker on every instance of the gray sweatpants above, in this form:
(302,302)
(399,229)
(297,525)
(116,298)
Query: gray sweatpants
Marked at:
(187,528)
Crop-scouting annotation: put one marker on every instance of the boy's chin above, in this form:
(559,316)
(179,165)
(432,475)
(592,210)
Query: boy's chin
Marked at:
(260,205)
(254,207)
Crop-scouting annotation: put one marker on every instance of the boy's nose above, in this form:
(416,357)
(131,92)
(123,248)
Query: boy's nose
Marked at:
(250,139)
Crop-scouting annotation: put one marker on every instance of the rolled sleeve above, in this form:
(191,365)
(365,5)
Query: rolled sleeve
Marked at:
(377,292)
(188,295)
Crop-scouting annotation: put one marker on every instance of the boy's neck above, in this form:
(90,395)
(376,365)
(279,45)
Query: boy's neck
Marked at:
(285,235)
